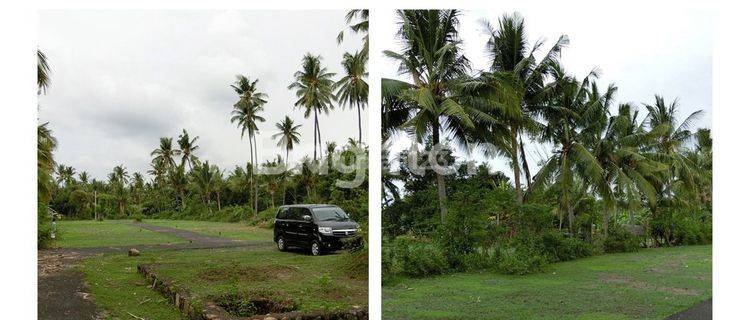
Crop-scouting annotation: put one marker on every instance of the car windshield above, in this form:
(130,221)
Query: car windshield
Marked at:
(330,214)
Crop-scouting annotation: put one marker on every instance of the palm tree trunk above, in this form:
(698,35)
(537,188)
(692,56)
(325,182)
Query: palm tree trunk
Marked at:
(570,217)
(218,199)
(320,139)
(252,173)
(315,133)
(359,122)
(283,181)
(438,173)
(605,219)
(516,169)
(524,162)
(255,206)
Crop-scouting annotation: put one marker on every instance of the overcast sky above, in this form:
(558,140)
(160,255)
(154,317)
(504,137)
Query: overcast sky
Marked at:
(121,80)
(644,52)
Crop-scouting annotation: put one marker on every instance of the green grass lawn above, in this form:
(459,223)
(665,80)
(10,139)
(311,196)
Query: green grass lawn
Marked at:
(235,231)
(649,284)
(85,234)
(117,288)
(313,283)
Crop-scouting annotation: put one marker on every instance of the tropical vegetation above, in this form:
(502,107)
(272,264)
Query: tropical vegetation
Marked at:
(616,178)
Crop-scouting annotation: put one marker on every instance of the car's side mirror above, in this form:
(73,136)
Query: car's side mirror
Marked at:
(307,217)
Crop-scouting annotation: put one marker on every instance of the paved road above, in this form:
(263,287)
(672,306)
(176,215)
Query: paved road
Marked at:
(62,290)
(701,311)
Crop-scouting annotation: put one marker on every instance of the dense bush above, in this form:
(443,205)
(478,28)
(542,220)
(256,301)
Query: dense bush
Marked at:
(44,227)
(413,257)
(519,260)
(558,247)
(620,240)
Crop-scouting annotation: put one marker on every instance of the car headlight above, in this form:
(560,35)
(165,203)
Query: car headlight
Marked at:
(325,230)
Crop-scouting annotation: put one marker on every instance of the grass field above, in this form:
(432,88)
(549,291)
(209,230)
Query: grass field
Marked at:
(313,283)
(85,234)
(649,284)
(229,230)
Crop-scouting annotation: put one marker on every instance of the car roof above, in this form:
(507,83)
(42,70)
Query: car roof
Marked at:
(309,206)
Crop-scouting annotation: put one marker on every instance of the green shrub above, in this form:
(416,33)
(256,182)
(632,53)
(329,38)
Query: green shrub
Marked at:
(462,233)
(690,231)
(474,261)
(138,217)
(558,247)
(620,240)
(415,258)
(518,261)
(44,227)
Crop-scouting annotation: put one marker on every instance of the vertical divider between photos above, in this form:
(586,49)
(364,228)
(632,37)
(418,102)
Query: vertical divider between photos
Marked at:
(375,166)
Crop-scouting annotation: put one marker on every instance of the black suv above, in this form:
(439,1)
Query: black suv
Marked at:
(319,227)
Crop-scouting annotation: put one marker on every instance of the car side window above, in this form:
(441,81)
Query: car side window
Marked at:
(304,212)
(283,214)
(294,214)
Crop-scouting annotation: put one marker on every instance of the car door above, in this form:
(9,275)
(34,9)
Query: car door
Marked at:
(282,223)
(306,227)
(295,221)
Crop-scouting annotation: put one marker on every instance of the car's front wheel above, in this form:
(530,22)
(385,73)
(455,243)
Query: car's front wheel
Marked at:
(281,244)
(316,248)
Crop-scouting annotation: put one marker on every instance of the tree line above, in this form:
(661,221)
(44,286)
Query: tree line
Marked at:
(606,159)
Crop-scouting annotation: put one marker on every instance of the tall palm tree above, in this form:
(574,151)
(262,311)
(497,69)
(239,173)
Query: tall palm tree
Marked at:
(314,89)
(83,177)
(288,136)
(179,182)
(117,180)
(218,183)
(361,25)
(165,153)
(187,148)
(136,187)
(626,169)
(431,56)
(204,181)
(65,175)
(513,60)
(572,121)
(352,87)
(246,114)
(42,72)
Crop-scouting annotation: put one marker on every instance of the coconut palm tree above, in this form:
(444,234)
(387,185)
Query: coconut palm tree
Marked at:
(42,72)
(361,25)
(117,180)
(246,114)
(572,120)
(670,144)
(137,186)
(179,181)
(626,169)
(187,148)
(165,153)
(352,87)
(218,183)
(203,178)
(513,60)
(65,175)
(288,136)
(314,89)
(431,56)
